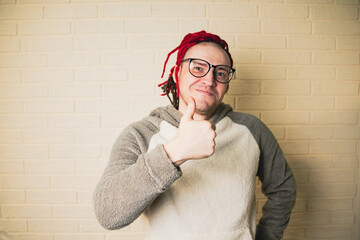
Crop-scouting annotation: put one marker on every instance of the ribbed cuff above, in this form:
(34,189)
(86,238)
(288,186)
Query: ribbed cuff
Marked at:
(263,233)
(160,167)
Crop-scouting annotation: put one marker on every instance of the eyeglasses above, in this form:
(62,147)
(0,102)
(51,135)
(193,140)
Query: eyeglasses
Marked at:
(199,68)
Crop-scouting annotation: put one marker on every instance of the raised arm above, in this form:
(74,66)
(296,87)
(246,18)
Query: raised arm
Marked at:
(132,179)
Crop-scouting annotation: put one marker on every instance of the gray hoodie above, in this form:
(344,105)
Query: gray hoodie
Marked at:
(211,198)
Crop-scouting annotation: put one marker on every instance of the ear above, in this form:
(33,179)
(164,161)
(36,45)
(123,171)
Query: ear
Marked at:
(177,73)
(174,71)
(176,67)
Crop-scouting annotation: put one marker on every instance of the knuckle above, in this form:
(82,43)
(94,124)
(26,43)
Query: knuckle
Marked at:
(206,124)
(211,152)
(211,136)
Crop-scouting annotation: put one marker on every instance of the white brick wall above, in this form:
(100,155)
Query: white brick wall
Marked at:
(73,73)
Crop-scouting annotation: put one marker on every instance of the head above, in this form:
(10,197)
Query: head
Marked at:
(202,45)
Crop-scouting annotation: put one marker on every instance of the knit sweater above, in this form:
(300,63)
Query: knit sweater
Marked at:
(211,198)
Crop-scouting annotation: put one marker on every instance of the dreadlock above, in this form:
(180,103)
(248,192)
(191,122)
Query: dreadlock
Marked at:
(171,86)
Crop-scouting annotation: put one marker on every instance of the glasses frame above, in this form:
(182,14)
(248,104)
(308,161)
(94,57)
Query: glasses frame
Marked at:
(210,66)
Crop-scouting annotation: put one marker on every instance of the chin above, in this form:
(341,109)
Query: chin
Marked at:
(205,108)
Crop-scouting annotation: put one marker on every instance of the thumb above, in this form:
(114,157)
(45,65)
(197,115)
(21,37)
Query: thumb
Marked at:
(190,110)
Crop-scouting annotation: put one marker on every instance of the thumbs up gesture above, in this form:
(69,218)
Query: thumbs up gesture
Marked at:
(195,138)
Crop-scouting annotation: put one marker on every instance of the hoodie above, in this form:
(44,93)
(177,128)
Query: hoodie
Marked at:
(210,198)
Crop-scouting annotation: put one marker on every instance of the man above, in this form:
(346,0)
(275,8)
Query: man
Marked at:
(191,167)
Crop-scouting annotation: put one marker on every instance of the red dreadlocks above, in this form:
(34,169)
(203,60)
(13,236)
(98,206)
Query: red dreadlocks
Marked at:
(191,39)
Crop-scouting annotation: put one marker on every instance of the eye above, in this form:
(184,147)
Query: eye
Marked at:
(198,68)
(220,74)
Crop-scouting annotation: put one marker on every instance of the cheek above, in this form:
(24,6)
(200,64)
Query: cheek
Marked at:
(226,88)
(222,89)
(188,83)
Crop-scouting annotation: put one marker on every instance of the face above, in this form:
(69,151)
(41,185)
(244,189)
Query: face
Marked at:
(206,91)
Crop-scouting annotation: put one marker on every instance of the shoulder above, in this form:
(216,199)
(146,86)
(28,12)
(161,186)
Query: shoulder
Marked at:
(257,127)
(136,136)
(145,126)
(149,125)
(246,119)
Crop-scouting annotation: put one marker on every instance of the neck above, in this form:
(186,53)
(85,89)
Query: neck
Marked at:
(198,115)
(201,117)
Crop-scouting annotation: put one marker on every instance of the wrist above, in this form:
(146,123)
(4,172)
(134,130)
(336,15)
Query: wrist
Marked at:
(173,154)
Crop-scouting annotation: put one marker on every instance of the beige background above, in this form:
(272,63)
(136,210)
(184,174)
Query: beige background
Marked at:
(74,73)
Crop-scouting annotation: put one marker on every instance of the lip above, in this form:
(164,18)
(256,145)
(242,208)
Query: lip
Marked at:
(205,92)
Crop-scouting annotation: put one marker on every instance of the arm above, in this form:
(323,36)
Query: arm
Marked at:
(278,184)
(132,179)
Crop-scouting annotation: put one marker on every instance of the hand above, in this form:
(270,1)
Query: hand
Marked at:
(195,139)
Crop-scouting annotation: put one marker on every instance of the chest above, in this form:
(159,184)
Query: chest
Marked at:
(231,168)
(223,185)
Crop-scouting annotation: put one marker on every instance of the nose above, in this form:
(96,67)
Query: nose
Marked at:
(209,78)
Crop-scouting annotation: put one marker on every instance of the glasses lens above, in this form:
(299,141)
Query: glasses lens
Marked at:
(223,73)
(199,68)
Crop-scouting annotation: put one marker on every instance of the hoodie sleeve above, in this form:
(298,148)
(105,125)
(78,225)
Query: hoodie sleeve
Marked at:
(278,184)
(132,179)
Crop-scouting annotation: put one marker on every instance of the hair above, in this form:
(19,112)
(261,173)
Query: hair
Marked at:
(171,86)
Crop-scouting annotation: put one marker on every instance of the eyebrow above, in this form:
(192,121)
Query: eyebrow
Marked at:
(223,67)
(199,62)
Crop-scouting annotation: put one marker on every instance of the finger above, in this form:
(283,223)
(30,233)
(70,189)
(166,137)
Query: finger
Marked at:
(213,126)
(190,110)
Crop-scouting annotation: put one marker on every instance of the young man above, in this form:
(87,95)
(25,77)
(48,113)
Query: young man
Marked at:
(191,167)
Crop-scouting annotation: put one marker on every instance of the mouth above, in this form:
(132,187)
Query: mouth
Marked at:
(205,92)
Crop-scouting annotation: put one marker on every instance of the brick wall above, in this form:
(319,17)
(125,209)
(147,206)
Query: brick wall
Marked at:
(73,73)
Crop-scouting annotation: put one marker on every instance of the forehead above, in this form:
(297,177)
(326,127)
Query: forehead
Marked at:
(210,52)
